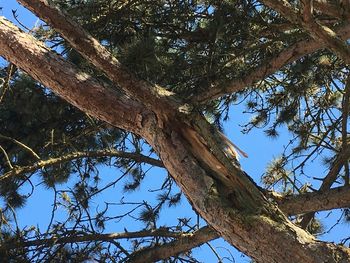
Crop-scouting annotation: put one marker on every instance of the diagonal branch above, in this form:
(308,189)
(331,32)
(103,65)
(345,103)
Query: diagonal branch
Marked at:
(332,175)
(11,70)
(76,155)
(332,9)
(336,167)
(153,96)
(288,55)
(67,81)
(180,245)
(245,226)
(317,31)
(184,242)
(25,147)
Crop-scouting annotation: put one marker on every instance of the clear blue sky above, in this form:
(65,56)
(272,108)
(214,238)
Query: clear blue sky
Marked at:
(259,148)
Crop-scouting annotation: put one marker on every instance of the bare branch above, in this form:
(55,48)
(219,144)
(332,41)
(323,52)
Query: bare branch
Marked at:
(8,161)
(331,9)
(76,155)
(324,33)
(336,167)
(345,116)
(11,69)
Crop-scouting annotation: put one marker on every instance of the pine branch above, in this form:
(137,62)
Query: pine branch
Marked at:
(333,10)
(16,171)
(68,82)
(183,242)
(316,201)
(84,237)
(153,96)
(25,147)
(180,245)
(319,32)
(288,55)
(332,175)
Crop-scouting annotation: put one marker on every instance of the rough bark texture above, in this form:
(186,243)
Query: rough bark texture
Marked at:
(153,96)
(219,191)
(266,68)
(317,201)
(319,32)
(176,247)
(84,92)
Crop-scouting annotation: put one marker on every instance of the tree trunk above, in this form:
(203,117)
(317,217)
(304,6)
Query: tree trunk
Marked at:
(218,190)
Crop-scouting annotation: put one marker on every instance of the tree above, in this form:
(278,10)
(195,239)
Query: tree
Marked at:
(165,73)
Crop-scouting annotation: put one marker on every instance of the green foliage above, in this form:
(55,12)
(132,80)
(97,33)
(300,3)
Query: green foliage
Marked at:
(189,47)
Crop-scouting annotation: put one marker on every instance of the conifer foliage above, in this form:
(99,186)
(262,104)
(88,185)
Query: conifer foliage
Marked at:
(126,100)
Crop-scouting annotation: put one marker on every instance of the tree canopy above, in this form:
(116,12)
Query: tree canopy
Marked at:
(141,90)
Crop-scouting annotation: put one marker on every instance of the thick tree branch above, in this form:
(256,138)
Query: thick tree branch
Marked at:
(317,31)
(76,87)
(76,155)
(180,245)
(183,242)
(183,149)
(316,201)
(328,181)
(290,54)
(154,96)
(332,9)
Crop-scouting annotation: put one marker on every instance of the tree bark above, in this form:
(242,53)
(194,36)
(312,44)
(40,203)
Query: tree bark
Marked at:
(219,191)
(316,201)
(319,32)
